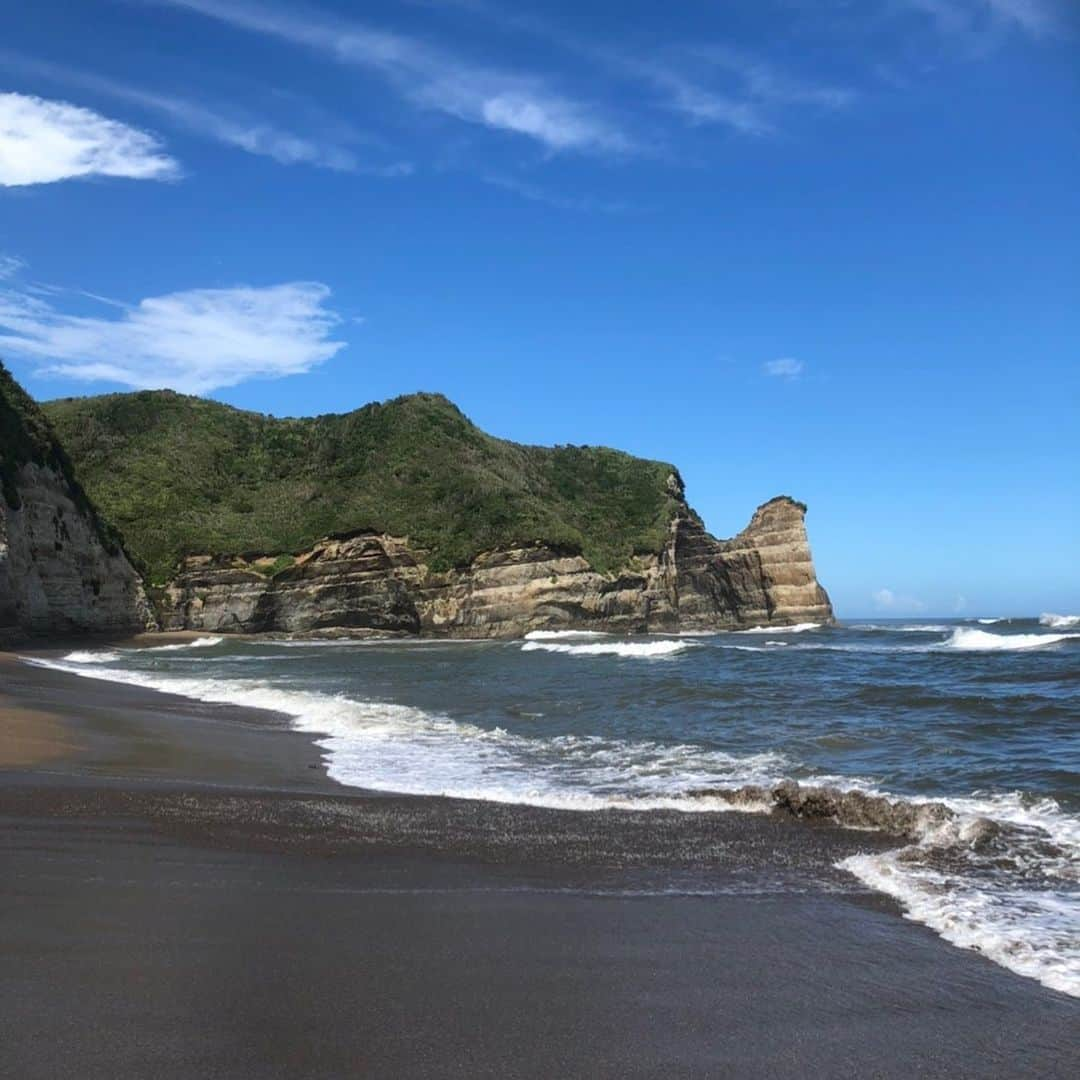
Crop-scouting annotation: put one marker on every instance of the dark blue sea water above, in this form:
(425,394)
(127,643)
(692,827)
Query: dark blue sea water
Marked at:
(979,716)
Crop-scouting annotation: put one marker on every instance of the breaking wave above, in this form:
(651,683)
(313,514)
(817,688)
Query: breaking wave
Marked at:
(797,628)
(559,635)
(197,643)
(1059,622)
(997,873)
(982,640)
(384,746)
(641,649)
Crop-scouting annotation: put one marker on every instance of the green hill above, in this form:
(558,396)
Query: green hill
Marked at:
(26,437)
(181,475)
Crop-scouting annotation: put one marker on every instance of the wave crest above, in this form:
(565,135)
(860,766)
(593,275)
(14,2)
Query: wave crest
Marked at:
(558,635)
(197,643)
(993,874)
(639,649)
(1059,622)
(967,638)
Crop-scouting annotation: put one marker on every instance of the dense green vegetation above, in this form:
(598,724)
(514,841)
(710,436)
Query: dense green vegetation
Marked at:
(180,475)
(27,438)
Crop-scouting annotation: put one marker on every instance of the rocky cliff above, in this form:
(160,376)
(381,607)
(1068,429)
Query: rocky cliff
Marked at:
(62,570)
(373,581)
(404,517)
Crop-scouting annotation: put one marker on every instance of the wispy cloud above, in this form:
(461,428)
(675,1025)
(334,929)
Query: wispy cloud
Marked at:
(432,77)
(194,341)
(539,194)
(702,104)
(10,265)
(705,83)
(224,124)
(42,142)
(1036,17)
(787,367)
(753,94)
(257,136)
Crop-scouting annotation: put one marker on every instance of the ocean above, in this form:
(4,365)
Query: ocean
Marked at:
(969,728)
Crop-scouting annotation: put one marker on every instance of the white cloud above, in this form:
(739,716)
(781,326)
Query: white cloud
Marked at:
(42,142)
(758,89)
(1035,17)
(787,367)
(193,341)
(535,193)
(257,136)
(701,105)
(225,124)
(887,600)
(433,78)
(685,76)
(10,265)
(556,122)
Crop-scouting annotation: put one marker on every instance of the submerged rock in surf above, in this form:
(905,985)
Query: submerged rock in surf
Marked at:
(857,809)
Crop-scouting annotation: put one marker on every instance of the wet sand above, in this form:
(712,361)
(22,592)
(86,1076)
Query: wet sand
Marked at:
(184,895)
(30,737)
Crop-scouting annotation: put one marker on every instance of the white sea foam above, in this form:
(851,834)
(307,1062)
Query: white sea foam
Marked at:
(1013,902)
(390,747)
(990,622)
(980,640)
(641,649)
(558,635)
(962,639)
(1059,622)
(1033,934)
(907,628)
(196,643)
(798,628)
(1026,920)
(95,656)
(368,642)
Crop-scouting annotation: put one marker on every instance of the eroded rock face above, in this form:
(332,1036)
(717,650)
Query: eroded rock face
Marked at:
(57,573)
(765,574)
(369,581)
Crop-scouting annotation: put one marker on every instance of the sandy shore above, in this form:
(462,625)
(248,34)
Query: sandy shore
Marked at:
(31,737)
(185,893)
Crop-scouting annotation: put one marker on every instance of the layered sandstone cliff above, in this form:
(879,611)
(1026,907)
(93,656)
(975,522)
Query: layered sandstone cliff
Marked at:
(376,582)
(61,569)
(404,517)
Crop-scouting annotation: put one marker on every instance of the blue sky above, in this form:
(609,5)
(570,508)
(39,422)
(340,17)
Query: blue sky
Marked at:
(809,246)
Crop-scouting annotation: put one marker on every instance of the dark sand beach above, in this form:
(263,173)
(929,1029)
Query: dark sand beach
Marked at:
(185,893)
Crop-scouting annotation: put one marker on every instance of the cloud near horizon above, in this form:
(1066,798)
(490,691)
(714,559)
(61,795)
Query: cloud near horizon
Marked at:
(193,341)
(43,142)
(887,600)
